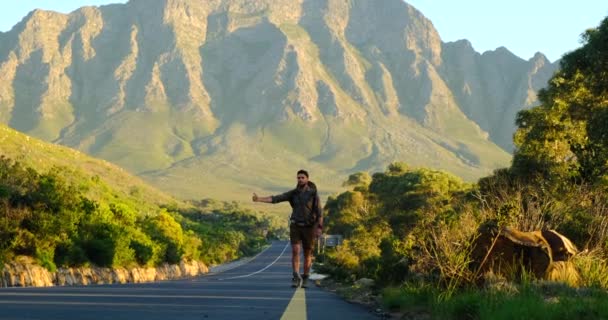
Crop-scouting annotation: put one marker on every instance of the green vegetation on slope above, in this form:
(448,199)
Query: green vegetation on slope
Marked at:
(43,156)
(50,217)
(67,209)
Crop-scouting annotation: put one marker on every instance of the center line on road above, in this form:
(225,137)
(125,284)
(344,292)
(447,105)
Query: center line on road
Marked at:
(261,270)
(296,309)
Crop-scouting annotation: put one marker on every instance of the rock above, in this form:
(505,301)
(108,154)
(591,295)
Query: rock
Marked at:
(25,273)
(365,282)
(508,252)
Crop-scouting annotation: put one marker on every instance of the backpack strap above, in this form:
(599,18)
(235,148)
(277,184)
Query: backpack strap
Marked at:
(315,206)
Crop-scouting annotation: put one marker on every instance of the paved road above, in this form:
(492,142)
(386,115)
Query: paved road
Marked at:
(259,289)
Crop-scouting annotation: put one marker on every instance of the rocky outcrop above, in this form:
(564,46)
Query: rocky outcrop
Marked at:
(19,274)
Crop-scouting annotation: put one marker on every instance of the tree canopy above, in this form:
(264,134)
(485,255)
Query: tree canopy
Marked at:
(565,138)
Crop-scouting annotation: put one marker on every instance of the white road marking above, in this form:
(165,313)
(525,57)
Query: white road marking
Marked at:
(133,304)
(237,264)
(261,270)
(148,296)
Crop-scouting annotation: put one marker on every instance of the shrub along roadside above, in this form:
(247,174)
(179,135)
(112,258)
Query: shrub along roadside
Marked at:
(428,241)
(53,217)
(558,181)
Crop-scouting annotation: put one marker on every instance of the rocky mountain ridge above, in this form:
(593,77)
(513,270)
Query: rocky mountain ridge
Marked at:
(215,98)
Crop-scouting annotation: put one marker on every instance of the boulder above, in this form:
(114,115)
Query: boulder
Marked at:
(511,253)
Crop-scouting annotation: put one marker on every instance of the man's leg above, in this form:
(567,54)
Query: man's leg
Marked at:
(296,280)
(294,237)
(307,261)
(307,246)
(295,257)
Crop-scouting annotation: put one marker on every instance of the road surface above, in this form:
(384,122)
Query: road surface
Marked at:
(259,289)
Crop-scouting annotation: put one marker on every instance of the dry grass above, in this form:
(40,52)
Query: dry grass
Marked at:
(448,249)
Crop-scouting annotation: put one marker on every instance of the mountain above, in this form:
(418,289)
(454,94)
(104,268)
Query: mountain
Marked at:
(223,97)
(492,87)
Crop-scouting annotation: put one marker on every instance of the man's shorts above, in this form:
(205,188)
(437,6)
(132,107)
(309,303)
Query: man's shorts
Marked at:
(304,234)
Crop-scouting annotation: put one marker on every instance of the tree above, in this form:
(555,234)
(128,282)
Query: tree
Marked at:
(565,138)
(164,229)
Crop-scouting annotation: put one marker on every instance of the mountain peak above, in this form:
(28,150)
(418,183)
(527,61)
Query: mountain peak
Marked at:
(463,43)
(40,16)
(38,19)
(540,57)
(502,53)
(503,50)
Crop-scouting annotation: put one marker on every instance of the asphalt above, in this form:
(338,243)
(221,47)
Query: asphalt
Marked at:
(258,289)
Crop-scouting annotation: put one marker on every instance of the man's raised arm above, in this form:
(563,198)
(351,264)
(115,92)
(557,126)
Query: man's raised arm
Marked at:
(256,198)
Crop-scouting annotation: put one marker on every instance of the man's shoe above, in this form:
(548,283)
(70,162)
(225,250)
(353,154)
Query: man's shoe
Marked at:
(296,281)
(304,281)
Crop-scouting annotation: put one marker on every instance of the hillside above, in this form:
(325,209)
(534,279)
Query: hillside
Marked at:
(66,209)
(111,181)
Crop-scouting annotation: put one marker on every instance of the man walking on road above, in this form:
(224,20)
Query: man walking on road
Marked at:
(305,223)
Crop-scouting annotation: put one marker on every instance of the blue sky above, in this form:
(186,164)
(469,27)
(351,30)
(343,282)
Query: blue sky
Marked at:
(523,26)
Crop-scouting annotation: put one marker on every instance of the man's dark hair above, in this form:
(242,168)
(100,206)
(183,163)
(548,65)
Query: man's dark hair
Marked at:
(304,172)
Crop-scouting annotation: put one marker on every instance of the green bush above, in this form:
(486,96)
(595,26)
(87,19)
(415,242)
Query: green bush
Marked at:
(164,229)
(69,254)
(45,258)
(144,251)
(100,251)
(124,255)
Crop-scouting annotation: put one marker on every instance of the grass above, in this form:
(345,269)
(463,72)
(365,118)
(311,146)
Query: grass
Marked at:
(594,270)
(51,129)
(305,137)
(457,130)
(156,147)
(249,164)
(265,162)
(530,302)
